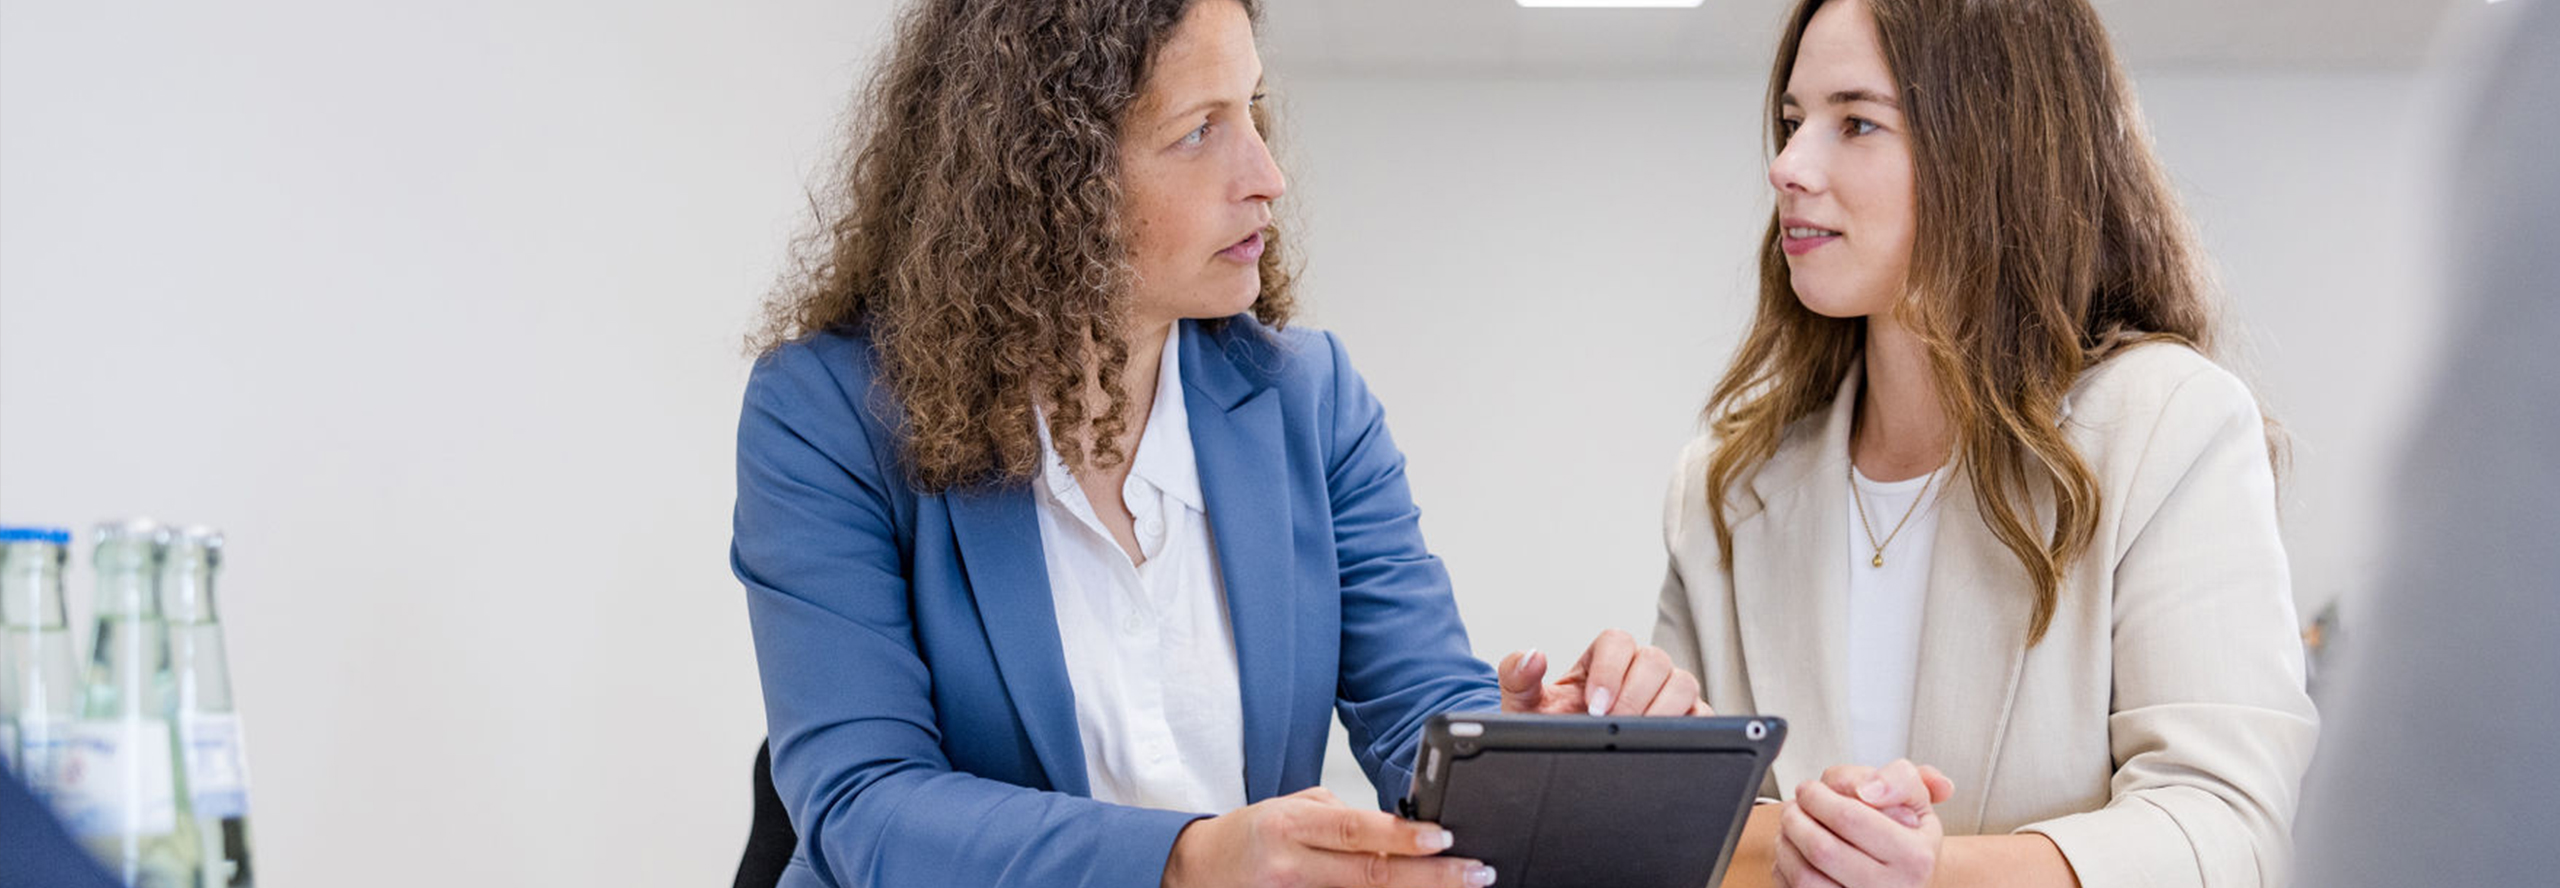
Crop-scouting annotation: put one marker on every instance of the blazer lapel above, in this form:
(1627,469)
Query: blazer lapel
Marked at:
(1236,438)
(1973,636)
(1791,594)
(999,538)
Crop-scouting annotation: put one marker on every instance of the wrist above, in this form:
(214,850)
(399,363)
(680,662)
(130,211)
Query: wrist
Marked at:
(1939,872)
(1182,866)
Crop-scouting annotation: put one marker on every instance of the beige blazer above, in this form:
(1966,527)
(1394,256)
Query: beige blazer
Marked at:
(2158,734)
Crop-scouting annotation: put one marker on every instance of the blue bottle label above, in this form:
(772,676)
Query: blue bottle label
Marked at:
(217,772)
(117,778)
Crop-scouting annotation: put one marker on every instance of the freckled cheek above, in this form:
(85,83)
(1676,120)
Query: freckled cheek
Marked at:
(1142,244)
(1157,235)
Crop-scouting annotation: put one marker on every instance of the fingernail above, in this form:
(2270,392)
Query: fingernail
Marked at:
(1910,819)
(1479,875)
(1531,655)
(1436,840)
(1599,701)
(1875,791)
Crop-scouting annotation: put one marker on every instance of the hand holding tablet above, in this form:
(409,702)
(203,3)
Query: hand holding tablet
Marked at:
(1312,838)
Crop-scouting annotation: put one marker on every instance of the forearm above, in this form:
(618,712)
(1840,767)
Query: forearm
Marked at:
(2025,860)
(954,829)
(1755,858)
(2017,861)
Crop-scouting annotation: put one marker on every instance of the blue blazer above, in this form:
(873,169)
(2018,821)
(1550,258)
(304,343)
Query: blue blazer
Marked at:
(916,695)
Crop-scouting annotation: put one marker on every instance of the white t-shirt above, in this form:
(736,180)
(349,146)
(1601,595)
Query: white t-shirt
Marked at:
(1150,649)
(1885,606)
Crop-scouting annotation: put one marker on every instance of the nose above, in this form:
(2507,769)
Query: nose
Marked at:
(1260,178)
(1797,168)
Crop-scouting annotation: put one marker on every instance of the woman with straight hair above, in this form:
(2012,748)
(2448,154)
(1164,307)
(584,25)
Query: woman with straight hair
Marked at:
(1974,510)
(1060,551)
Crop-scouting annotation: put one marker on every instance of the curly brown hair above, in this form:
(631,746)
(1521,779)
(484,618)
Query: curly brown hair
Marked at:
(974,234)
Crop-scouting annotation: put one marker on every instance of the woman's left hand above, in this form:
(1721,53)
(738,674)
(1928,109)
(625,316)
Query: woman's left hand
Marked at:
(1863,828)
(1615,676)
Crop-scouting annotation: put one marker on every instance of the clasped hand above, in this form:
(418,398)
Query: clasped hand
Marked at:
(1860,827)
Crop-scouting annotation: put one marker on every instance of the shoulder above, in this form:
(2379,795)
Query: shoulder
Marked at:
(1292,358)
(2149,414)
(1308,371)
(1689,470)
(2149,385)
(824,386)
(839,359)
(1807,446)
(2149,380)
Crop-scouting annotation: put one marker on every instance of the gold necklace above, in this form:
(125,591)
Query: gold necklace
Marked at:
(1861,501)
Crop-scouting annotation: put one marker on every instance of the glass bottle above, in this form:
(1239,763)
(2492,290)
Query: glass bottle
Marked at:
(121,788)
(39,673)
(215,768)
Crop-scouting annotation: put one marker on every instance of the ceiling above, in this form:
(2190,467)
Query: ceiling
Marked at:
(1735,37)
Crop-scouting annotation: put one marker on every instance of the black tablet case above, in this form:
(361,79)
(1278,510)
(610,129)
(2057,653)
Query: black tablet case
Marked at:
(1567,801)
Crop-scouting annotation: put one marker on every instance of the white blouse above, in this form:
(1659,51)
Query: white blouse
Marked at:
(1150,650)
(1884,612)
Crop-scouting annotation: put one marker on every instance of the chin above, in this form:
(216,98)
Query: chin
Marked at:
(1827,307)
(1830,303)
(1234,301)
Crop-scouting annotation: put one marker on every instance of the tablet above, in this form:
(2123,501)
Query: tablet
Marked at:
(1560,801)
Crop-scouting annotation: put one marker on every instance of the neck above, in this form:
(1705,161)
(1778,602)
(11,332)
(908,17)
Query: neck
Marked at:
(1902,429)
(1138,379)
(1146,360)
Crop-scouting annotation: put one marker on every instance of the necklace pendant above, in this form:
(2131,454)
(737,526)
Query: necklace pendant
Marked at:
(1879,562)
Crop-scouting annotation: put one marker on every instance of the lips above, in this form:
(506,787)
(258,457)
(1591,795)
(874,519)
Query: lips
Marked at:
(1247,250)
(1799,236)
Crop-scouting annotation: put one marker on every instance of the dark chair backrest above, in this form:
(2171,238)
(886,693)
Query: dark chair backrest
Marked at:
(769,836)
(34,849)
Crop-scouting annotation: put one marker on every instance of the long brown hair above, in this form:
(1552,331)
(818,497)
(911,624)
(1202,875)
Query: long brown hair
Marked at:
(974,231)
(2048,238)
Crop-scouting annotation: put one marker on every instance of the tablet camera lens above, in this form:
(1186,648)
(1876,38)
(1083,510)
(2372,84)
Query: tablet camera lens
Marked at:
(1755,731)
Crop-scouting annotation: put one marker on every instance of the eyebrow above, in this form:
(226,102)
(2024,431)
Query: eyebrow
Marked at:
(1206,104)
(1847,96)
(1195,108)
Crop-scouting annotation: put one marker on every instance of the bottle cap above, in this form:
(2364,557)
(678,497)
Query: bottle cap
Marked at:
(197,538)
(138,530)
(10,533)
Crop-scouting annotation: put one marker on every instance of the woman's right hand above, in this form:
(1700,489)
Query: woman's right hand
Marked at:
(1311,839)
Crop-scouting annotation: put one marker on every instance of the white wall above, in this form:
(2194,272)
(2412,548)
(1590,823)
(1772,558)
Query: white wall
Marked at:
(436,308)
(437,312)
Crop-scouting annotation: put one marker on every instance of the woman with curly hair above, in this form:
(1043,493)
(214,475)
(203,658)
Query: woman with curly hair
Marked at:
(1973,496)
(1060,550)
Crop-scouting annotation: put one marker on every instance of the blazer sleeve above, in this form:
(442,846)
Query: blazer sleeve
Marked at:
(857,753)
(2211,728)
(1675,624)
(1405,656)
